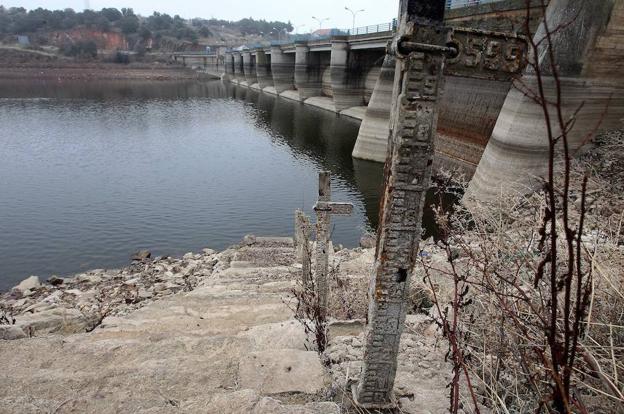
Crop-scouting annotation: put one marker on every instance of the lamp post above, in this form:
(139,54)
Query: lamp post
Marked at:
(279,33)
(354,14)
(320,21)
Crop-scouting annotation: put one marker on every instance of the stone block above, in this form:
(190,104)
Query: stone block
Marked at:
(281,371)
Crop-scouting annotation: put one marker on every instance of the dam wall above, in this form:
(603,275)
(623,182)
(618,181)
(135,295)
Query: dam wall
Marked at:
(351,75)
(589,56)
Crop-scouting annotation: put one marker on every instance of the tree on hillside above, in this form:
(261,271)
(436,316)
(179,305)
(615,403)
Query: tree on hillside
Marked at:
(111,14)
(204,31)
(129,23)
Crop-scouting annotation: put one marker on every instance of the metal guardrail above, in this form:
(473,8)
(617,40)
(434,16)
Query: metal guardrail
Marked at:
(458,4)
(376,28)
(194,53)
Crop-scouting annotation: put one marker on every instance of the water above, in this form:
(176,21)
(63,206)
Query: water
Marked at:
(91,172)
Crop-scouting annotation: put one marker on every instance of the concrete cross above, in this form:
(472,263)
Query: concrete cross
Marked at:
(425,51)
(324,208)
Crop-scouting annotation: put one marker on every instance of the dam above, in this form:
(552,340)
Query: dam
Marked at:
(487,127)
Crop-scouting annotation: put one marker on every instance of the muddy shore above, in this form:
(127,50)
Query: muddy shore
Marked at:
(98,71)
(23,64)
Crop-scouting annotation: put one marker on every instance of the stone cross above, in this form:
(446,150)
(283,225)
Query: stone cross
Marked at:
(425,51)
(324,208)
(302,245)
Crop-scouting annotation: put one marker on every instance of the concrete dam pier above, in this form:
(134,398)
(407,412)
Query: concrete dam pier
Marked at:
(487,127)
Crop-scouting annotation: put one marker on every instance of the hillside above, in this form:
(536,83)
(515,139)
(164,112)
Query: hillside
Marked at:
(113,29)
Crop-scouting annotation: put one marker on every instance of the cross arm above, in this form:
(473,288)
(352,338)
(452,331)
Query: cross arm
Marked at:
(339,209)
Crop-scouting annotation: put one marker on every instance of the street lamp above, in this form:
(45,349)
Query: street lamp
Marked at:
(279,33)
(320,21)
(353,13)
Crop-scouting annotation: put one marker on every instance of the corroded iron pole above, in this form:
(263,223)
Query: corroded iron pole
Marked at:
(418,82)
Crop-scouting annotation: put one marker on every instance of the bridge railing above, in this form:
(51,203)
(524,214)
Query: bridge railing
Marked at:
(375,28)
(195,53)
(325,35)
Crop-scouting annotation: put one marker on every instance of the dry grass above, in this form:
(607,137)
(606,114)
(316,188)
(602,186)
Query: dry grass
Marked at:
(502,319)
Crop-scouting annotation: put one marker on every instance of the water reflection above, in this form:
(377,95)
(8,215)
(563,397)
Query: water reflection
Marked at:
(91,171)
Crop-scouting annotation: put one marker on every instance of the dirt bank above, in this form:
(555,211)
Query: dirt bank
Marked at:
(25,64)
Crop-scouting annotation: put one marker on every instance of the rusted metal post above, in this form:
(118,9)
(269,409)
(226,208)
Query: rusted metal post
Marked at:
(324,208)
(302,246)
(407,178)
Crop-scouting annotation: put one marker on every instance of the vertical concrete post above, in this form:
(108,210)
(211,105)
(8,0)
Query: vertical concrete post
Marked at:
(205,63)
(307,72)
(372,140)
(407,179)
(249,67)
(238,67)
(229,66)
(283,69)
(302,246)
(263,69)
(345,76)
(322,242)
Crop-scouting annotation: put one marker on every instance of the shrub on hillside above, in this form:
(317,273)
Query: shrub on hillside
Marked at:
(82,49)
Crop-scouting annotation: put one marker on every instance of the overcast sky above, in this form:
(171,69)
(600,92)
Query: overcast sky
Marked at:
(299,12)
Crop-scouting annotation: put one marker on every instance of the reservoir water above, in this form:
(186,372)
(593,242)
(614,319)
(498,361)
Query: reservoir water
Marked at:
(91,172)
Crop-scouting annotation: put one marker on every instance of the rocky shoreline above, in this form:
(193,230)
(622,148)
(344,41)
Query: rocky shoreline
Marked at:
(207,332)
(79,303)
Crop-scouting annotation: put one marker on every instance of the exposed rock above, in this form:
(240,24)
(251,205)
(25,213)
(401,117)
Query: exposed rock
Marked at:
(281,335)
(31,283)
(145,294)
(269,405)
(53,320)
(249,240)
(11,332)
(55,281)
(368,241)
(141,255)
(280,371)
(90,278)
(237,402)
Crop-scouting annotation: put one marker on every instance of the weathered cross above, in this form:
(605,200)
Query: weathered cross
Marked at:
(324,208)
(425,51)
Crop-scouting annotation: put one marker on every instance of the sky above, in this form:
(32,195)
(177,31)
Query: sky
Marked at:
(299,12)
